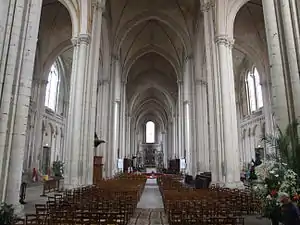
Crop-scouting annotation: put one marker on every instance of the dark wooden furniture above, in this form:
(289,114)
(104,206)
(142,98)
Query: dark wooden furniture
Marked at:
(174,166)
(98,169)
(126,164)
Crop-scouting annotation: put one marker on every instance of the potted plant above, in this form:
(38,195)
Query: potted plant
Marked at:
(274,177)
(58,168)
(7,215)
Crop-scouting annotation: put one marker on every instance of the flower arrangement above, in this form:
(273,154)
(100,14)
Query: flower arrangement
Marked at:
(272,178)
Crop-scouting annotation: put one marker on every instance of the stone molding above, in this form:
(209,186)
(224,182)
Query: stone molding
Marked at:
(115,57)
(201,82)
(224,40)
(205,7)
(103,82)
(99,5)
(179,82)
(188,57)
(74,41)
(84,39)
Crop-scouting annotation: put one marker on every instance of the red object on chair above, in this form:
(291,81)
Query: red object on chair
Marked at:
(34,175)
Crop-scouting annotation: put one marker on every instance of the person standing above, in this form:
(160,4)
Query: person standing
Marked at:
(290,214)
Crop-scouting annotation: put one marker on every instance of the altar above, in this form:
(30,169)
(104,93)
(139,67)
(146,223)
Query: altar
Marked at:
(150,157)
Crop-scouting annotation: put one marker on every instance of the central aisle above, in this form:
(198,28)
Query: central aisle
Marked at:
(150,209)
(151,197)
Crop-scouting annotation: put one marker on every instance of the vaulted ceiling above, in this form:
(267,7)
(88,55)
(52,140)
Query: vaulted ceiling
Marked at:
(152,38)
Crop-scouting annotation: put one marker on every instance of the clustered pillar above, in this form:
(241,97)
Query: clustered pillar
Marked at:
(17,65)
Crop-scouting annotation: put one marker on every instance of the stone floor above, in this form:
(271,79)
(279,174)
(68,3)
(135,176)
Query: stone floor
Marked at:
(33,197)
(149,209)
(151,197)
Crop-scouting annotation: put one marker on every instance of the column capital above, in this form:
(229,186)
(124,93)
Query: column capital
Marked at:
(206,6)
(84,39)
(224,40)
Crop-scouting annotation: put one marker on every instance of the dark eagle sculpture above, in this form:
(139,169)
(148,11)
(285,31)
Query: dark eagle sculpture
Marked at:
(97,141)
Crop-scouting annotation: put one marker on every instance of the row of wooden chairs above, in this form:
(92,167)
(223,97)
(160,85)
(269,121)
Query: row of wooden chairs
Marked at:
(109,202)
(211,206)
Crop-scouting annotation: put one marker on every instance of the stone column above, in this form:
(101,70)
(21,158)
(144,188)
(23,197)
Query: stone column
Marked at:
(230,145)
(74,135)
(293,81)
(104,132)
(116,114)
(202,127)
(16,73)
(295,12)
(279,97)
(40,110)
(180,121)
(267,109)
(99,111)
(90,94)
(205,128)
(214,95)
(175,149)
(123,121)
(170,140)
(164,146)
(187,104)
(128,135)
(200,143)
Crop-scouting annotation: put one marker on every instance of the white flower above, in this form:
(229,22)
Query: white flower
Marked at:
(276,175)
(269,197)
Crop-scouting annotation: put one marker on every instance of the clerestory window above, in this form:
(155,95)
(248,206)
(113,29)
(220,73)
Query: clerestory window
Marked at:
(254,91)
(150,132)
(52,89)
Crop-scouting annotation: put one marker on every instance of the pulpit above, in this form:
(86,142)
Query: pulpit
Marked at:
(98,169)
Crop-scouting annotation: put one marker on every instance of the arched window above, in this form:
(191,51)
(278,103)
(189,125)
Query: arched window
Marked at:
(150,132)
(254,91)
(52,89)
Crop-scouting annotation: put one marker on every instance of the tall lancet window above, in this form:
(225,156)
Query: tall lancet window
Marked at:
(254,91)
(52,89)
(150,132)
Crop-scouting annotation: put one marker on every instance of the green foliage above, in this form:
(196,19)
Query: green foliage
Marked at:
(7,215)
(286,145)
(58,168)
(273,178)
